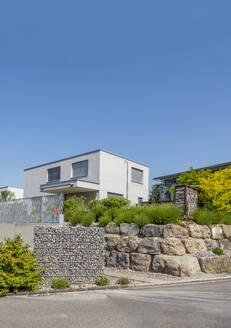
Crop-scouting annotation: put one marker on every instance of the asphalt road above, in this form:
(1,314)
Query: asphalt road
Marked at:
(192,305)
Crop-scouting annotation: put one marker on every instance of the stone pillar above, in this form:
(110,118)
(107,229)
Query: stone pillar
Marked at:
(186,197)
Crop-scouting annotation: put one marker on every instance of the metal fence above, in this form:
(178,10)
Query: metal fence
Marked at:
(45,209)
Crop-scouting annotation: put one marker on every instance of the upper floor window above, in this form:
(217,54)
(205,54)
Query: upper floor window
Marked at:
(137,175)
(80,169)
(54,174)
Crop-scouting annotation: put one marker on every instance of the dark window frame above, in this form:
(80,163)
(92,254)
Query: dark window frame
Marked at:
(52,174)
(82,176)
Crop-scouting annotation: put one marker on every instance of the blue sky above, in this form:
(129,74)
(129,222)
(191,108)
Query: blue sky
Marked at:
(149,80)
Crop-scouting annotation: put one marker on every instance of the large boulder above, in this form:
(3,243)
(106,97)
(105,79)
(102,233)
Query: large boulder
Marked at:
(129,229)
(149,245)
(112,228)
(123,261)
(199,231)
(111,259)
(176,265)
(133,243)
(226,230)
(217,232)
(111,241)
(152,230)
(175,231)
(194,246)
(211,244)
(225,244)
(140,262)
(122,244)
(172,246)
(215,264)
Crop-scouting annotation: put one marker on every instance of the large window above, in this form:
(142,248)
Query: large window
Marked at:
(54,174)
(80,169)
(137,175)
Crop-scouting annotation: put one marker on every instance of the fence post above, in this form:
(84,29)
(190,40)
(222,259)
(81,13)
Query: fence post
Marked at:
(61,216)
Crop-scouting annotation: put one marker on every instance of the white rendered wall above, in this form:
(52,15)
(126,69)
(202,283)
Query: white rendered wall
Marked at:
(18,192)
(115,177)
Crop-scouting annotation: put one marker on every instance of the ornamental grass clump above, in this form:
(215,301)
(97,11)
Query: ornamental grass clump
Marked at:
(60,283)
(102,281)
(123,281)
(18,267)
(208,217)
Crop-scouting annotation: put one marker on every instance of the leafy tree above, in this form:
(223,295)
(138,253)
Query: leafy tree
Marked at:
(192,177)
(155,193)
(6,195)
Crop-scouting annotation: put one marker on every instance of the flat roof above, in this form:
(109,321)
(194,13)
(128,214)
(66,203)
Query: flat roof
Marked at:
(211,167)
(83,154)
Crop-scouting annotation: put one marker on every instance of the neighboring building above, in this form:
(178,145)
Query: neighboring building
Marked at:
(170,180)
(96,174)
(18,192)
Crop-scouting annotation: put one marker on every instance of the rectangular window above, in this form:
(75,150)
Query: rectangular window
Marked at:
(54,174)
(112,194)
(80,169)
(137,175)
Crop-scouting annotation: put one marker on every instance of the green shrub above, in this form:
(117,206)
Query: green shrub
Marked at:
(208,217)
(60,283)
(102,281)
(115,202)
(18,267)
(84,217)
(218,251)
(123,281)
(104,220)
(73,205)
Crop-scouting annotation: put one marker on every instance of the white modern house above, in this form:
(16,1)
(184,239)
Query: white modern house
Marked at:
(95,175)
(18,192)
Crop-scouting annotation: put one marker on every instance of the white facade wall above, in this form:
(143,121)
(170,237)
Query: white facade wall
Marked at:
(18,192)
(115,177)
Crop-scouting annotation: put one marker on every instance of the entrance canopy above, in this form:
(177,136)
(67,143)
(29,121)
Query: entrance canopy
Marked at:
(72,186)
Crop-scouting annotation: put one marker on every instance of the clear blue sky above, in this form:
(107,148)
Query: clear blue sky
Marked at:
(149,80)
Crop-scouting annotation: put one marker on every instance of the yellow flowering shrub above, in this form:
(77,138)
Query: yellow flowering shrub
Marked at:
(217,189)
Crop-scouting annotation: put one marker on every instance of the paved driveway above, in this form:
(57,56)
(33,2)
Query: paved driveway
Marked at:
(193,305)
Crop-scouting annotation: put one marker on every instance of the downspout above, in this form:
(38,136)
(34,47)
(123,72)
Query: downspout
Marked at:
(127,182)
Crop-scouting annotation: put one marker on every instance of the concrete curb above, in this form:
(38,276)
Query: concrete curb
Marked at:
(131,286)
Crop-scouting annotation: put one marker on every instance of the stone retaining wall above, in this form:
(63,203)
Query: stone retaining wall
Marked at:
(169,248)
(73,253)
